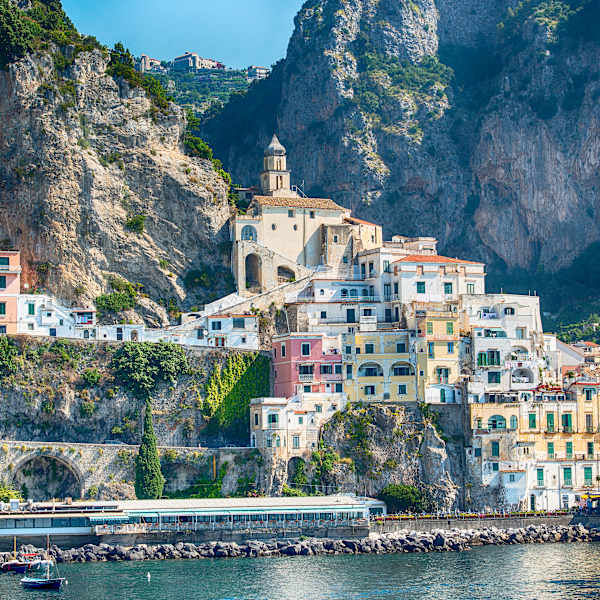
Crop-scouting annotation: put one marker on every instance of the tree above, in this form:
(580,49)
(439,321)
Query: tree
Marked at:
(149,480)
(15,33)
(400,498)
(7,492)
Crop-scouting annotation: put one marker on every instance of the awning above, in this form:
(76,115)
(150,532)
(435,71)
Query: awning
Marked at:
(104,518)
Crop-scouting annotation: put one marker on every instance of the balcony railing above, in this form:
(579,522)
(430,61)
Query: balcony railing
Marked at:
(306,377)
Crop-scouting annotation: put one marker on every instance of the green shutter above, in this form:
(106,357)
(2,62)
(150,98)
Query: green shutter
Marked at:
(590,449)
(567,477)
(495,448)
(31,308)
(2,308)
(532,421)
(540,476)
(550,449)
(449,327)
(429,328)
(550,421)
(569,449)
(587,475)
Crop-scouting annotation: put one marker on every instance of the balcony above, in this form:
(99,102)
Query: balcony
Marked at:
(9,269)
(331,377)
(306,377)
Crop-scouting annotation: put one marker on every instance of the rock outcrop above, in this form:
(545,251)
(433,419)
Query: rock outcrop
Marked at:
(499,162)
(80,155)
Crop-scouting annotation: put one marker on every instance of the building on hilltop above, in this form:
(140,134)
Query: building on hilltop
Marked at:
(191,62)
(255,73)
(145,64)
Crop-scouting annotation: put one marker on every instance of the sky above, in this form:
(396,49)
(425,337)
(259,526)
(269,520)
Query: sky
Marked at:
(237,32)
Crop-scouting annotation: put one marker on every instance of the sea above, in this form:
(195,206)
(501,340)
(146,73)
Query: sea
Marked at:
(551,571)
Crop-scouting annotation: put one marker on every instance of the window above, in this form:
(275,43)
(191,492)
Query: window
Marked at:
(495,466)
(307,389)
(312,214)
(447,288)
(587,476)
(589,426)
(443,395)
(296,441)
(215,325)
(318,408)
(371,268)
(450,347)
(590,449)
(511,477)
(420,287)
(282,350)
(345,259)
(273,226)
(513,422)
(589,395)
(367,312)
(344,293)
(2,308)
(300,420)
(429,328)
(305,349)
(569,449)
(386,266)
(449,327)
(497,422)
(3,261)
(369,349)
(401,371)
(396,288)
(532,420)
(273,419)
(348,349)
(388,315)
(3,282)
(335,239)
(509,310)
(119,333)
(550,422)
(369,390)
(470,288)
(30,326)
(239,323)
(306,369)
(567,476)
(323,314)
(494,376)
(442,374)
(567,422)
(477,452)
(401,348)
(291,214)
(256,419)
(326,369)
(30,308)
(550,449)
(348,371)
(269,442)
(521,333)
(402,389)
(339,388)
(431,350)
(540,477)
(52,332)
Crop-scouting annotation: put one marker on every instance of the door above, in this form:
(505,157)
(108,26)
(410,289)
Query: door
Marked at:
(119,334)
(532,502)
(350,315)
(52,332)
(2,329)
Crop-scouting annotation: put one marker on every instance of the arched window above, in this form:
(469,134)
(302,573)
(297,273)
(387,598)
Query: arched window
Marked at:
(249,233)
(321,292)
(353,293)
(513,422)
(497,422)
(344,293)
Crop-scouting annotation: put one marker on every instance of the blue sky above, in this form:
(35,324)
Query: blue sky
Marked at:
(237,32)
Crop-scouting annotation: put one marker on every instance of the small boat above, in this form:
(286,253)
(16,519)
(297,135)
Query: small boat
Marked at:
(21,566)
(44,581)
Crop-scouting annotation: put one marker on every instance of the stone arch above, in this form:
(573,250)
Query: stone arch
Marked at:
(46,476)
(249,233)
(496,422)
(253,265)
(285,274)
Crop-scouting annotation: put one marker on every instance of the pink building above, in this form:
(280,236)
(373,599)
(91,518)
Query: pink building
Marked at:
(10,288)
(306,362)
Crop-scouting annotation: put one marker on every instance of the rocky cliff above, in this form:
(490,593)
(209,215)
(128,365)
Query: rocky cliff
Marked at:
(497,155)
(94,184)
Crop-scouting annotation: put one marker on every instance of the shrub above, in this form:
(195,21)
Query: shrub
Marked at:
(87,408)
(400,498)
(91,376)
(115,302)
(136,223)
(8,355)
(7,492)
(149,480)
(92,491)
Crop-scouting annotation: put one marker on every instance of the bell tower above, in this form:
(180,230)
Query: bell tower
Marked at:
(275,178)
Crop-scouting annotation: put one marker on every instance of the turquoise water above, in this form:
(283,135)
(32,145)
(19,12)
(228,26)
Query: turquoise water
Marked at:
(553,571)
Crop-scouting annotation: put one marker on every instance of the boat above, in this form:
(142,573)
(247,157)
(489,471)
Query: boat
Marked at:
(20,566)
(43,581)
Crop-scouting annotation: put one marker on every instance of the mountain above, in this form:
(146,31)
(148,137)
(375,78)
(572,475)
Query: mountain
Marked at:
(473,121)
(95,188)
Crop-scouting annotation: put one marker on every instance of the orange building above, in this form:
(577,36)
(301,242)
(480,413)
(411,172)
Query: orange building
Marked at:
(10,287)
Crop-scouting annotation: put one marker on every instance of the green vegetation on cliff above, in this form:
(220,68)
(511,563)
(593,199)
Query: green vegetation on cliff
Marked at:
(7,493)
(403,498)
(24,31)
(229,390)
(149,480)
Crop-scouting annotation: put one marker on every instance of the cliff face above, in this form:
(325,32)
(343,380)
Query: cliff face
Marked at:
(499,161)
(80,155)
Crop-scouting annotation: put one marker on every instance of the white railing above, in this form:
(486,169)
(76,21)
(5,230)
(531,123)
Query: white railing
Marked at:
(306,378)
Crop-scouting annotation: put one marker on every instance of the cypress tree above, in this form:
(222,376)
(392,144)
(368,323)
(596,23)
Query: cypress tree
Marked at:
(149,480)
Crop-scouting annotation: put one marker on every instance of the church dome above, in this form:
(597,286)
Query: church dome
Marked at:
(275,148)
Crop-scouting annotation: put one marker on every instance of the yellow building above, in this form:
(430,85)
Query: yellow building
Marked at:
(437,351)
(378,366)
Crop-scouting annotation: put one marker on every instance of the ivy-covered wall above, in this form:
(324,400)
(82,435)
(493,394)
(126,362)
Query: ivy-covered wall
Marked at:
(92,392)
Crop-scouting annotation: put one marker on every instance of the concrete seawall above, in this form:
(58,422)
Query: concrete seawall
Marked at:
(499,522)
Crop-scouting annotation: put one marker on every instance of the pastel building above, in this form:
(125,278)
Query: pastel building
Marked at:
(306,363)
(10,288)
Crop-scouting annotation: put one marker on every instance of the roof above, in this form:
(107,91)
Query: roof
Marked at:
(435,259)
(245,316)
(360,221)
(275,148)
(588,344)
(298,202)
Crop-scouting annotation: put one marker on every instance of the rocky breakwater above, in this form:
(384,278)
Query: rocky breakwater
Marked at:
(405,541)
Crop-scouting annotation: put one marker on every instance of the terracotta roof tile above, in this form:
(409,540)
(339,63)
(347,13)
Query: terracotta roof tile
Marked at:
(435,259)
(298,202)
(355,220)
